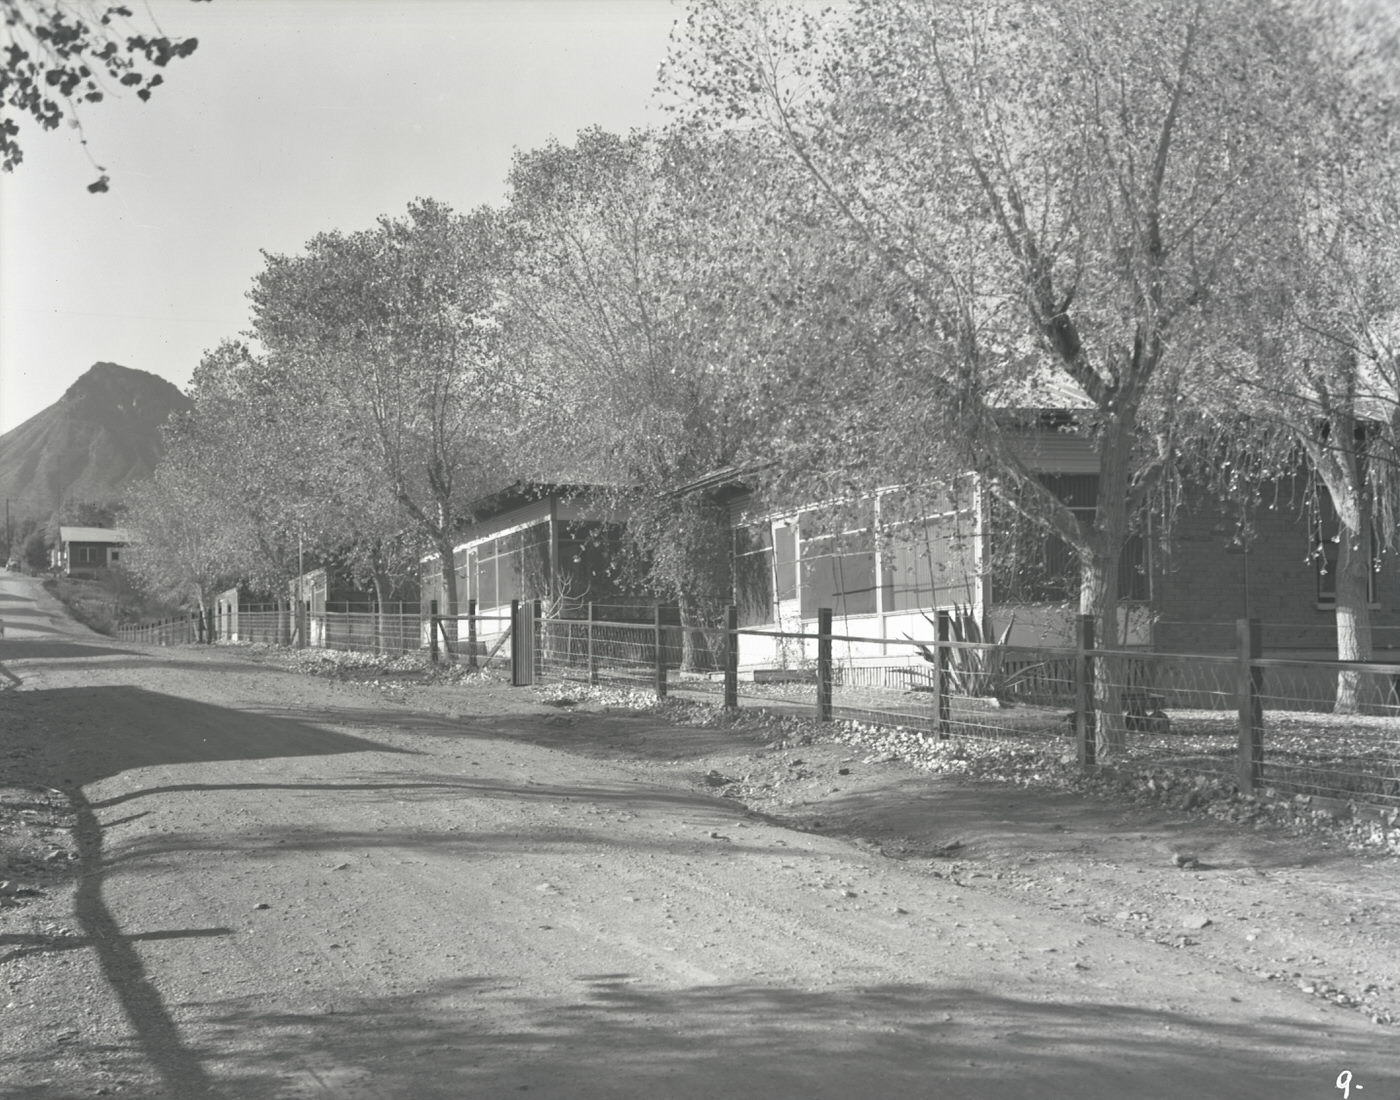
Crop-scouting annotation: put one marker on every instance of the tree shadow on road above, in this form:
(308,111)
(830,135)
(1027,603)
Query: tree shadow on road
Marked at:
(27,649)
(613,1036)
(93,733)
(74,737)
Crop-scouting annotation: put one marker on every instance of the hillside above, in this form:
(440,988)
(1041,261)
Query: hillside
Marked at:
(101,435)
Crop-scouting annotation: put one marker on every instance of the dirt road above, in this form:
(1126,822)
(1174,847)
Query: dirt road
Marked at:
(231,880)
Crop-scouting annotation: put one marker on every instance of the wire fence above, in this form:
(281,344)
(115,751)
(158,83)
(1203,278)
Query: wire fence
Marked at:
(180,630)
(1286,728)
(1303,729)
(356,628)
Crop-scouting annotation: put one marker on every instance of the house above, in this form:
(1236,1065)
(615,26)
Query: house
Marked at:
(884,577)
(532,541)
(89,551)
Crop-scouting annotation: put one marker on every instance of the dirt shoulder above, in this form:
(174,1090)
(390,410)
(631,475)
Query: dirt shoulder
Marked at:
(230,879)
(1281,902)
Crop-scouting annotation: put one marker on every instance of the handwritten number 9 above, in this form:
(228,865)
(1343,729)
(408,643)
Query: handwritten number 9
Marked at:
(1344,1083)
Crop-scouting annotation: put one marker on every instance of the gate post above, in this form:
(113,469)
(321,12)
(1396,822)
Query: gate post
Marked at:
(1251,703)
(432,630)
(1085,727)
(518,646)
(471,634)
(823,664)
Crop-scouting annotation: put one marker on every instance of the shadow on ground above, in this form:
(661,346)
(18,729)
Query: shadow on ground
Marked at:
(23,649)
(93,733)
(611,1036)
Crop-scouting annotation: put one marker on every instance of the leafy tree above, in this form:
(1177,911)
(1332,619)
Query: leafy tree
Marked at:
(1061,198)
(186,549)
(396,328)
(1320,373)
(63,56)
(225,504)
(613,309)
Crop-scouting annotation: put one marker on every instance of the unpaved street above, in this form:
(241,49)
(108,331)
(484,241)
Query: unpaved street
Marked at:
(272,885)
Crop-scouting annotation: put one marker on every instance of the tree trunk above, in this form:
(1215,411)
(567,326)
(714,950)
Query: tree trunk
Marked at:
(695,653)
(448,573)
(381,585)
(1099,598)
(1099,592)
(1353,586)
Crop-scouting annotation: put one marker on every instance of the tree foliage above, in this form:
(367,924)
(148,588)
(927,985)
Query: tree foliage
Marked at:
(631,285)
(64,56)
(1063,200)
(1319,374)
(394,331)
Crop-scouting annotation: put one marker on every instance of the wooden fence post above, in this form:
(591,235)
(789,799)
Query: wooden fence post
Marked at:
(823,664)
(471,634)
(592,659)
(943,671)
(1085,727)
(660,654)
(432,630)
(1251,700)
(731,658)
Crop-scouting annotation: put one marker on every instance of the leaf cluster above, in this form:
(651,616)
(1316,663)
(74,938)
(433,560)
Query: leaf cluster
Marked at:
(59,57)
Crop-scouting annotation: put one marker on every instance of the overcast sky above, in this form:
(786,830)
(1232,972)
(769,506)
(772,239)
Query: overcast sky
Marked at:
(292,117)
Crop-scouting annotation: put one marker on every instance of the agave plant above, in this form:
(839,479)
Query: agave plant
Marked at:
(976,671)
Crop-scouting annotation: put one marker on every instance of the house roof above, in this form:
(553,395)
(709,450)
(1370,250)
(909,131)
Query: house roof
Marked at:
(723,480)
(115,535)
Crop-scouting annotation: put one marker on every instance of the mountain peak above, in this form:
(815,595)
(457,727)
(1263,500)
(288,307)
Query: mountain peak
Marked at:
(103,433)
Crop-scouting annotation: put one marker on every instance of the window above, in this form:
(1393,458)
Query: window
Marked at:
(929,564)
(1032,565)
(116,555)
(513,567)
(85,554)
(838,571)
(785,562)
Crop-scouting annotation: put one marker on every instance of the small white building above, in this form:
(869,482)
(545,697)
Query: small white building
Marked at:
(89,551)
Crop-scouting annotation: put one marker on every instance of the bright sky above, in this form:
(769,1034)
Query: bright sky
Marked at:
(292,117)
